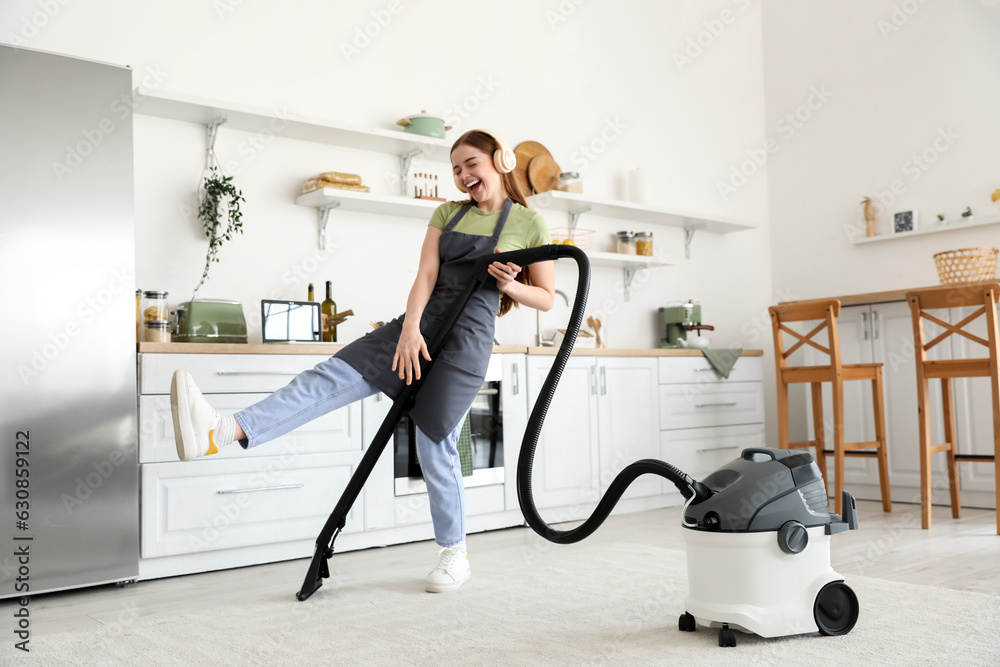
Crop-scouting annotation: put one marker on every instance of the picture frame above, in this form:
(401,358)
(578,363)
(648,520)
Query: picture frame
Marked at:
(904,221)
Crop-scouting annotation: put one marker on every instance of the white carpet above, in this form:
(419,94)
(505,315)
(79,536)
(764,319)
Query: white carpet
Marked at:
(607,604)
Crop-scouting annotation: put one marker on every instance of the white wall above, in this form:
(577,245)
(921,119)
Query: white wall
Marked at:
(555,78)
(910,99)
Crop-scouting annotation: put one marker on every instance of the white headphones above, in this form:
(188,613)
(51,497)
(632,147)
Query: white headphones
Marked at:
(503,159)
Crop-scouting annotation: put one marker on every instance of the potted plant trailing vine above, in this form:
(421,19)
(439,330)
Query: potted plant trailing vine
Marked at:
(220,214)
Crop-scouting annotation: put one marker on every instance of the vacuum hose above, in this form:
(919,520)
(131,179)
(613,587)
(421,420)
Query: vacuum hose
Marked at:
(691,489)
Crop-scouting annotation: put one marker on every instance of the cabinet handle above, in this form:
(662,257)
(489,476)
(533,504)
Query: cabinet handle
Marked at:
(716,449)
(378,397)
(715,405)
(704,370)
(517,388)
(864,326)
(257,373)
(487,392)
(593,380)
(874,325)
(604,382)
(263,488)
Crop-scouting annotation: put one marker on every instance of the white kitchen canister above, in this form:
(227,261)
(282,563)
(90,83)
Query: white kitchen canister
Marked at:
(637,186)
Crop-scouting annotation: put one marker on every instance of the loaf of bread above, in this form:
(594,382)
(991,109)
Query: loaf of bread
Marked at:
(340,177)
(319,183)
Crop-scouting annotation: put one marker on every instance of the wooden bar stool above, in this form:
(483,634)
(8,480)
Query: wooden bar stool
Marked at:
(985,296)
(836,373)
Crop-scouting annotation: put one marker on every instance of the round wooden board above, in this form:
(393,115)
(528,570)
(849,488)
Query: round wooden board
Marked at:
(543,173)
(525,152)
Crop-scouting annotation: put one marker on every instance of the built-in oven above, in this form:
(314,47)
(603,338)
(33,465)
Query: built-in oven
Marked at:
(486,418)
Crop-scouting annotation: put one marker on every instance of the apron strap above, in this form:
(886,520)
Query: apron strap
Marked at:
(454,221)
(501,222)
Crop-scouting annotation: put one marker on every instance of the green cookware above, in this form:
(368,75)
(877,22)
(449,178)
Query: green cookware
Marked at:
(210,321)
(421,123)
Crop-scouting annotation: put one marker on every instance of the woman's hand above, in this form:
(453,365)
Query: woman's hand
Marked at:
(504,273)
(408,350)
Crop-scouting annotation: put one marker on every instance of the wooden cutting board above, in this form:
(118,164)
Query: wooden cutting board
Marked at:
(543,173)
(525,152)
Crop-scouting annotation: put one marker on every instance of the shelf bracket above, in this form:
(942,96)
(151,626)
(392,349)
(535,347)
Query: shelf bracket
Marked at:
(689,231)
(324,216)
(213,132)
(574,216)
(405,160)
(629,275)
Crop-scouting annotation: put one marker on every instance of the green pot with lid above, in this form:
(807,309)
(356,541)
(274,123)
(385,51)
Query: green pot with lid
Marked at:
(425,124)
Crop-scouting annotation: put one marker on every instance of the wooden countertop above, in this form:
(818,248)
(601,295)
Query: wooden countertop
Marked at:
(332,348)
(631,352)
(880,297)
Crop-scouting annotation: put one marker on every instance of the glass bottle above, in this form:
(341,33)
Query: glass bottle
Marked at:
(329,309)
(312,296)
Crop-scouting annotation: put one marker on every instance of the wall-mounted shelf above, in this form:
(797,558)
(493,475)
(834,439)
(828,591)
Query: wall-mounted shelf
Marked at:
(328,199)
(176,106)
(576,205)
(984,221)
(629,264)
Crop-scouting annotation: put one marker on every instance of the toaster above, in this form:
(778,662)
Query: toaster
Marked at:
(210,321)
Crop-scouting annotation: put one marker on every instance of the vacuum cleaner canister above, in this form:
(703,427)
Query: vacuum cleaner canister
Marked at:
(758,550)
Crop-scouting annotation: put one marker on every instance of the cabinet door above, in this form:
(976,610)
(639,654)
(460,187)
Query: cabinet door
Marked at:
(973,409)
(894,348)
(514,402)
(566,470)
(628,420)
(379,491)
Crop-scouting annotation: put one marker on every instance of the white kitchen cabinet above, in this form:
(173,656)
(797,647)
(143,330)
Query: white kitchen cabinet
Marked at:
(566,470)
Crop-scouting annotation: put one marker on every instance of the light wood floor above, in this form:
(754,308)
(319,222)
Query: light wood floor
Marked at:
(961,554)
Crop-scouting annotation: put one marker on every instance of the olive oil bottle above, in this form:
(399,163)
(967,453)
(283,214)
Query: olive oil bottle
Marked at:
(329,309)
(312,297)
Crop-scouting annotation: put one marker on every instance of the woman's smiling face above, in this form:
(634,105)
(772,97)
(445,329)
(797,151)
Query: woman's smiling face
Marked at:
(475,170)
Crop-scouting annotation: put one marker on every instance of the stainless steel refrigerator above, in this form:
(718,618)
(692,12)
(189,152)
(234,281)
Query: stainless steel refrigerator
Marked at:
(69,502)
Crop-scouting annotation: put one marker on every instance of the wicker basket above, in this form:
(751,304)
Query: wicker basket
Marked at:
(966,265)
(582,238)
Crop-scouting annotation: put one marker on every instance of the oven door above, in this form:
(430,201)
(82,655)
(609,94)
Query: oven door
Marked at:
(486,415)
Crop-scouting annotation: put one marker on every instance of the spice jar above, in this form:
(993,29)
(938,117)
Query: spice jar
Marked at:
(569,181)
(644,244)
(626,243)
(154,306)
(157,331)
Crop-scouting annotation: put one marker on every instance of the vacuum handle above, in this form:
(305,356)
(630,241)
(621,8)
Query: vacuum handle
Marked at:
(527,256)
(773,454)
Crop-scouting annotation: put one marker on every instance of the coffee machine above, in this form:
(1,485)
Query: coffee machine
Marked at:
(676,322)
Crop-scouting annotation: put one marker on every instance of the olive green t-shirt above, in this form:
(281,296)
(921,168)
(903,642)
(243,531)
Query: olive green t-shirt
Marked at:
(524,228)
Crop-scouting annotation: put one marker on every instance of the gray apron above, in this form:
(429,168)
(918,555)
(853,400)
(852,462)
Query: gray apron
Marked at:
(457,375)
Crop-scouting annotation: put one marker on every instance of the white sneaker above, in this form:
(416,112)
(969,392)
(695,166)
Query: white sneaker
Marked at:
(194,418)
(451,572)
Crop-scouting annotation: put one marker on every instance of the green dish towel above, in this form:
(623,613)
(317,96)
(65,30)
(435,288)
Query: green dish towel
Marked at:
(465,446)
(723,360)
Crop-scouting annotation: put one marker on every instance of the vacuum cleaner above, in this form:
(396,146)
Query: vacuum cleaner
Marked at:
(757,530)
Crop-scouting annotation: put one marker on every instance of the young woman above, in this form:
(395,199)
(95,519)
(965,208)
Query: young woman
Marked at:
(495,218)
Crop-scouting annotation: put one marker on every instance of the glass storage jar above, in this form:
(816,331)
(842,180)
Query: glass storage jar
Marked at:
(626,243)
(644,244)
(157,331)
(569,181)
(154,306)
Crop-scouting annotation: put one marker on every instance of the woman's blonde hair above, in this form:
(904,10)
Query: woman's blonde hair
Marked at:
(488,144)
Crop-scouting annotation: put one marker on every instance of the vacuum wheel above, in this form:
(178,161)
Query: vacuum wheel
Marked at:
(686,623)
(836,609)
(727,636)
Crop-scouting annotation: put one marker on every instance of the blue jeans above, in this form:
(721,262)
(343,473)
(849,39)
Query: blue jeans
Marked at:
(333,384)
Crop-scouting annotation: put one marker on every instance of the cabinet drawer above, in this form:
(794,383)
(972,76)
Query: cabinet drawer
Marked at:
(697,370)
(337,431)
(700,451)
(189,508)
(416,509)
(224,373)
(719,404)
